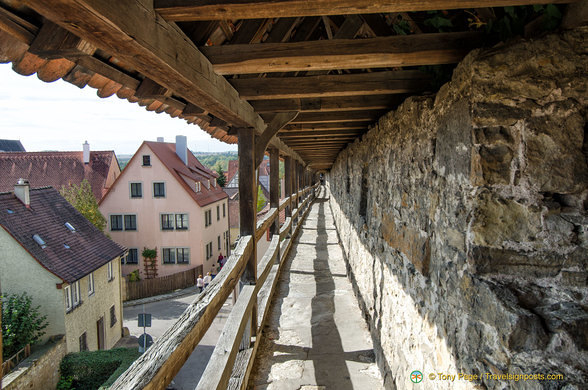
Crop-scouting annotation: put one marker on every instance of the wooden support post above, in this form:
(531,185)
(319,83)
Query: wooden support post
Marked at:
(275,187)
(248,207)
(288,183)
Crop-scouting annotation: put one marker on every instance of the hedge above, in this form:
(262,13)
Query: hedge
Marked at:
(95,370)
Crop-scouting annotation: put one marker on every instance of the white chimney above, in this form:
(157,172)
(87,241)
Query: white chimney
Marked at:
(160,139)
(22,192)
(182,148)
(86,152)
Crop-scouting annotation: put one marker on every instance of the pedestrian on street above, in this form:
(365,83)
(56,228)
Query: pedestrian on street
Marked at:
(207,280)
(200,283)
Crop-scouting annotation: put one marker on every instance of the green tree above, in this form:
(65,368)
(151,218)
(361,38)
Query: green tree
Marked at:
(82,198)
(22,323)
(261,200)
(221,180)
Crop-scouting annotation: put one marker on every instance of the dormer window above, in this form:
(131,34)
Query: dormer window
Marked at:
(70,227)
(146,160)
(197,186)
(9,211)
(214,183)
(39,241)
(207,184)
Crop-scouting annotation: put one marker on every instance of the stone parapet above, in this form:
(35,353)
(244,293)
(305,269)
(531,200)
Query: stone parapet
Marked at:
(464,220)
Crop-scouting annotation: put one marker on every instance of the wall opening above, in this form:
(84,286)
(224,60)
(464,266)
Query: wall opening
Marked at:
(364,193)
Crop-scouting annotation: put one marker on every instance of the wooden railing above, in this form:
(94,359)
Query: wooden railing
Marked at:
(18,357)
(158,366)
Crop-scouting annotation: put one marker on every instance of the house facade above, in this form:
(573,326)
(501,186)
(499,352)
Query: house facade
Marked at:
(59,169)
(69,268)
(165,199)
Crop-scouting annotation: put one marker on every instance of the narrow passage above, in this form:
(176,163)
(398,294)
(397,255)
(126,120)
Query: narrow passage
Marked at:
(316,337)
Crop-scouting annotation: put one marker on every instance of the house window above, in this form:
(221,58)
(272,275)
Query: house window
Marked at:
(146,160)
(130,222)
(68,303)
(218,212)
(207,183)
(159,190)
(136,190)
(83,342)
(224,210)
(209,250)
(110,273)
(91,284)
(169,256)
(181,221)
(183,255)
(75,290)
(133,256)
(207,218)
(116,222)
(197,187)
(167,222)
(219,243)
(112,316)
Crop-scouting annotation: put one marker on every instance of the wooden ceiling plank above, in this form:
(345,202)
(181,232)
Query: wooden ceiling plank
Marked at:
(149,89)
(343,103)
(137,35)
(187,10)
(282,30)
(375,83)
(336,117)
(380,52)
(326,126)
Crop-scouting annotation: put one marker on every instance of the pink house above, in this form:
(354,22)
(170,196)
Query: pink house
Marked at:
(166,198)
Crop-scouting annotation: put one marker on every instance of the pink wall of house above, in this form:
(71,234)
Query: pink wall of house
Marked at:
(148,210)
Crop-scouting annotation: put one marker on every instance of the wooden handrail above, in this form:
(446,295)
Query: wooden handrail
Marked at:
(218,370)
(265,223)
(284,203)
(285,228)
(156,368)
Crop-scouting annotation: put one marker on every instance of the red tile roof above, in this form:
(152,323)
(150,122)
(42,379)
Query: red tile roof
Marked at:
(56,169)
(166,152)
(89,249)
(233,168)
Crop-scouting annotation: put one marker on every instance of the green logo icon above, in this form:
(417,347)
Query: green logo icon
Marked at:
(416,376)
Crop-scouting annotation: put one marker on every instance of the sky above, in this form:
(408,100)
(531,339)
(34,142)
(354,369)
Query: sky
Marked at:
(61,116)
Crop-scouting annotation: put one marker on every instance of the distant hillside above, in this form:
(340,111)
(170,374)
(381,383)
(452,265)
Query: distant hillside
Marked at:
(209,159)
(213,159)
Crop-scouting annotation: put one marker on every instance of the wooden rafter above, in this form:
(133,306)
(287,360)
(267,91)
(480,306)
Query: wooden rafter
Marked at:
(186,10)
(343,103)
(381,52)
(159,50)
(376,83)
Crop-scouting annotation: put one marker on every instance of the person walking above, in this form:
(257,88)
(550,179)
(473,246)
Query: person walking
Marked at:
(200,283)
(207,280)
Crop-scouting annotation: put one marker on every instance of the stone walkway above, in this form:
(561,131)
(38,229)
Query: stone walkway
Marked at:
(316,337)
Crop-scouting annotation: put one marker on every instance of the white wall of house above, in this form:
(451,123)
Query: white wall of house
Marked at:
(148,210)
(20,272)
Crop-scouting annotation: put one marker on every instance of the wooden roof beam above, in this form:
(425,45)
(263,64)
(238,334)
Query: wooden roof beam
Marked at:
(375,83)
(137,35)
(335,117)
(325,126)
(187,10)
(381,52)
(343,103)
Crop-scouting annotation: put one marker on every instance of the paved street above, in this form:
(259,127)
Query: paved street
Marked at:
(164,314)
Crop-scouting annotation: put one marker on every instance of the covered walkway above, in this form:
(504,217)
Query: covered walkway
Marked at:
(316,337)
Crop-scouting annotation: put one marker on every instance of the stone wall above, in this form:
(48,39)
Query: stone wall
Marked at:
(40,371)
(464,220)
